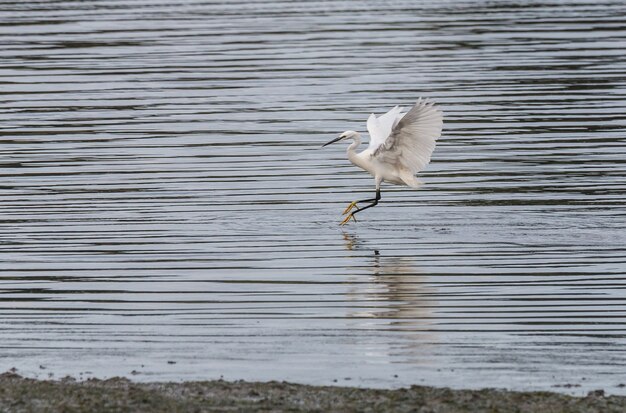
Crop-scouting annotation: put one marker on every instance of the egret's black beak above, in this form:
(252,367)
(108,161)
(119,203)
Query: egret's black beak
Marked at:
(333,141)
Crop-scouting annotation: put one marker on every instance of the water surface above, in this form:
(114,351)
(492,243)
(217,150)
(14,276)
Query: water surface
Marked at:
(166,211)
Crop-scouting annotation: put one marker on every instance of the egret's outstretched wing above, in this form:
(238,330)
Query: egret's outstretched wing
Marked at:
(380,128)
(412,139)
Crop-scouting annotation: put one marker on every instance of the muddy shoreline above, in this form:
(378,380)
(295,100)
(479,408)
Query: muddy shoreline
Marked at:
(19,394)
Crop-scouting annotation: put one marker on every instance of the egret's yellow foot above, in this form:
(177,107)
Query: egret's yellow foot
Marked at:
(346,219)
(349,208)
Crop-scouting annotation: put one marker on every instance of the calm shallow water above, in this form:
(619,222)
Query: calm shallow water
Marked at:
(167,212)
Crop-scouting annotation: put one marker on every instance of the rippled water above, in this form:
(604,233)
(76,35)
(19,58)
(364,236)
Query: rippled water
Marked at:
(166,211)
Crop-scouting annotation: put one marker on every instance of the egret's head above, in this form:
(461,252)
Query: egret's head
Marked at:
(349,134)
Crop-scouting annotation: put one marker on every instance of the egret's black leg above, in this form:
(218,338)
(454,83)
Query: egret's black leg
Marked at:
(354,203)
(374,202)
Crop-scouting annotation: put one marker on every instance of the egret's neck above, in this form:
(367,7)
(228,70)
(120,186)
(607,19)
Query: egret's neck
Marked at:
(352,148)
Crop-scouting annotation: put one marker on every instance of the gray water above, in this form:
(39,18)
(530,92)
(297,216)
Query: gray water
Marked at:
(167,213)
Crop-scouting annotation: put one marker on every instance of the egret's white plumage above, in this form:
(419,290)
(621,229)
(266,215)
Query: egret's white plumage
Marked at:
(401,145)
(380,127)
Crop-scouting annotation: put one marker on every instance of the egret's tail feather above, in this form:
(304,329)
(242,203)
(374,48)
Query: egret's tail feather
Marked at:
(412,181)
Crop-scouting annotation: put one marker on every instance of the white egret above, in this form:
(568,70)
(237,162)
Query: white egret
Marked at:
(400,146)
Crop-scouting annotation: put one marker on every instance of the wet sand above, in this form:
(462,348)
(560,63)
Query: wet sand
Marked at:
(19,394)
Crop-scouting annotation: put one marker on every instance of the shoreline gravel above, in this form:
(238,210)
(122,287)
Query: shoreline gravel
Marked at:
(19,394)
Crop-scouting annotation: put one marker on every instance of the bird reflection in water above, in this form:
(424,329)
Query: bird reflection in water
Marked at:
(398,293)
